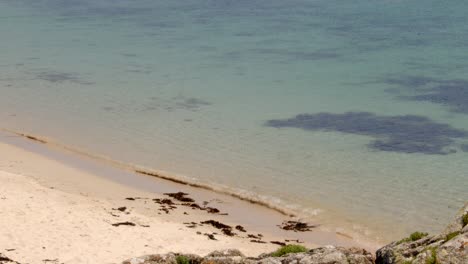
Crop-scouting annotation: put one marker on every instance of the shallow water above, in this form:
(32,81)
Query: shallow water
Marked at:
(353,114)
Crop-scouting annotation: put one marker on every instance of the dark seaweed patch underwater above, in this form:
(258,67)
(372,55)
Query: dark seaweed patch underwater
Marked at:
(451,93)
(59,77)
(405,134)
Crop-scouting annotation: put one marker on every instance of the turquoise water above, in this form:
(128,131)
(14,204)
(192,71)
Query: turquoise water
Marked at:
(209,91)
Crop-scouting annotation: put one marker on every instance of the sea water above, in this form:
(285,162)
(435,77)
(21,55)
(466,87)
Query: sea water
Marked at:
(353,114)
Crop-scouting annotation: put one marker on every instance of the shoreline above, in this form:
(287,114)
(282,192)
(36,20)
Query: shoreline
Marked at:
(158,174)
(73,175)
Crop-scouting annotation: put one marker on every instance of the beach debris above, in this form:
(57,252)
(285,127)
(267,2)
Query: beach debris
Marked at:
(227,230)
(278,243)
(164,210)
(121,209)
(134,198)
(50,260)
(5,259)
(294,240)
(255,236)
(193,206)
(34,138)
(114,215)
(257,241)
(296,226)
(212,210)
(210,236)
(180,196)
(191,225)
(10,249)
(216,224)
(187,201)
(124,223)
(240,228)
(163,201)
(166,205)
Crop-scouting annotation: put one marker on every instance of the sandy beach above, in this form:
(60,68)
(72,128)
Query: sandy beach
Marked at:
(57,211)
(40,223)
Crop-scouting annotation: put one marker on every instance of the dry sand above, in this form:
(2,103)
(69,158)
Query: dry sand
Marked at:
(42,223)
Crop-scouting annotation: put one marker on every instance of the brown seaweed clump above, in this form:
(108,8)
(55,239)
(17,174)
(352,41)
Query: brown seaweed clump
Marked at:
(296,226)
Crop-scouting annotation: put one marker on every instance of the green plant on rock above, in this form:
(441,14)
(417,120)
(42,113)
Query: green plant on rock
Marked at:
(451,235)
(289,249)
(433,258)
(182,260)
(413,237)
(408,262)
(465,219)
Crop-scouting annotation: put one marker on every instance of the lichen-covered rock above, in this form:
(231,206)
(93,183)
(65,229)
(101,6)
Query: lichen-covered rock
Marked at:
(451,246)
(229,256)
(401,252)
(153,259)
(457,223)
(324,255)
(169,258)
(225,253)
(454,251)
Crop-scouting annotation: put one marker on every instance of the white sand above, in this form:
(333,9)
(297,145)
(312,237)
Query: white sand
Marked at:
(41,222)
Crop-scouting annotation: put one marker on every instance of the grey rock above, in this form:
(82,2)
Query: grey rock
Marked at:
(170,258)
(435,249)
(397,252)
(454,251)
(153,259)
(229,256)
(225,253)
(457,222)
(324,255)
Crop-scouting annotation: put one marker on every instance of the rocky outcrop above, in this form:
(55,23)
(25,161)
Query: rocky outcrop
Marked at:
(449,247)
(324,255)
